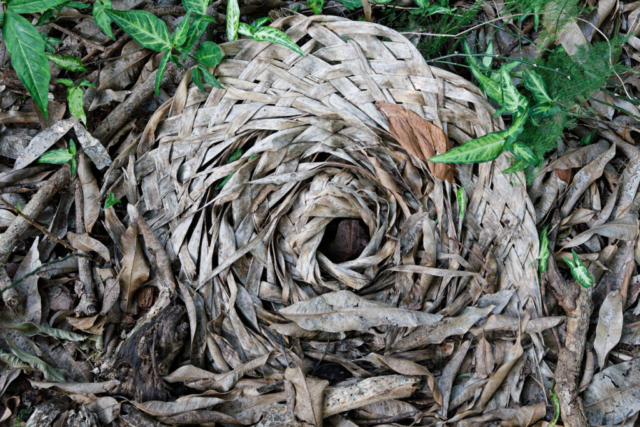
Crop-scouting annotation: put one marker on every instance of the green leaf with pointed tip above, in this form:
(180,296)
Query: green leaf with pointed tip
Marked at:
(517,126)
(483,149)
(196,30)
(66,82)
(471,58)
(544,250)
(87,84)
(76,5)
(32,6)
(224,181)
(196,6)
(523,152)
(246,30)
(316,6)
(18,208)
(26,48)
(235,156)
(512,100)
(210,78)
(76,105)
(55,157)
(351,4)
(544,110)
(70,63)
(161,68)
(31,329)
(209,54)
(14,361)
(74,167)
(180,34)
(72,148)
(144,28)
(46,17)
(102,19)
(579,271)
(273,35)
(487,61)
(50,373)
(536,86)
(196,77)
(111,201)
(233,20)
(260,22)
(490,86)
(588,139)
(461,201)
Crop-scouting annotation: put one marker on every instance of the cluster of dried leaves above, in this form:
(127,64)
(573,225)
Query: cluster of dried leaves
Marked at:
(326,284)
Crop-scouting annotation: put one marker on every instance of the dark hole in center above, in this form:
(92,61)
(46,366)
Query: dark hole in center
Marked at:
(332,372)
(344,239)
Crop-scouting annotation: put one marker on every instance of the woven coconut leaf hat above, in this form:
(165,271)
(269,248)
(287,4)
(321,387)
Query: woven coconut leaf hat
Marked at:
(284,197)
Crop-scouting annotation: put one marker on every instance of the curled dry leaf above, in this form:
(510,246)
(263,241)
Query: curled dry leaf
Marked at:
(84,242)
(419,137)
(136,269)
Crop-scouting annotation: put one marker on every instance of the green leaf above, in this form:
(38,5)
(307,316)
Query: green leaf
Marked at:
(523,152)
(111,201)
(180,35)
(483,149)
(512,100)
(224,182)
(46,17)
(74,167)
(66,82)
(161,68)
(196,77)
(87,84)
(102,19)
(50,373)
(196,30)
(544,110)
(461,201)
(70,63)
(209,54)
(76,5)
(31,329)
(210,78)
(246,30)
(273,35)
(32,6)
(316,6)
(555,401)
(544,250)
(26,47)
(49,42)
(72,148)
(76,105)
(144,28)
(517,126)
(536,86)
(472,60)
(490,86)
(579,271)
(588,139)
(55,157)
(233,20)
(14,361)
(235,156)
(487,61)
(260,22)
(18,208)
(196,6)
(351,4)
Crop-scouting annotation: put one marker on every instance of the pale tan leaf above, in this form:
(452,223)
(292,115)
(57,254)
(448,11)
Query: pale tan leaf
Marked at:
(309,396)
(613,394)
(42,141)
(609,329)
(623,228)
(345,311)
(90,192)
(84,242)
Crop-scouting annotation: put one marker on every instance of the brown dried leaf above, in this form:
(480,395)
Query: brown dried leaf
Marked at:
(309,396)
(136,269)
(614,394)
(42,142)
(624,228)
(84,242)
(609,329)
(419,137)
(345,311)
(90,192)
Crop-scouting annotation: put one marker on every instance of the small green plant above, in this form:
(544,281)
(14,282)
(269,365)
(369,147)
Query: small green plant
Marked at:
(579,271)
(232,158)
(27,46)
(544,250)
(19,417)
(61,157)
(316,6)
(556,405)
(500,87)
(438,7)
(111,201)
(74,97)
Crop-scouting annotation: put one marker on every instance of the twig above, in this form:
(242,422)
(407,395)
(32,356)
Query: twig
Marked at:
(93,52)
(10,238)
(42,266)
(84,284)
(114,47)
(79,37)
